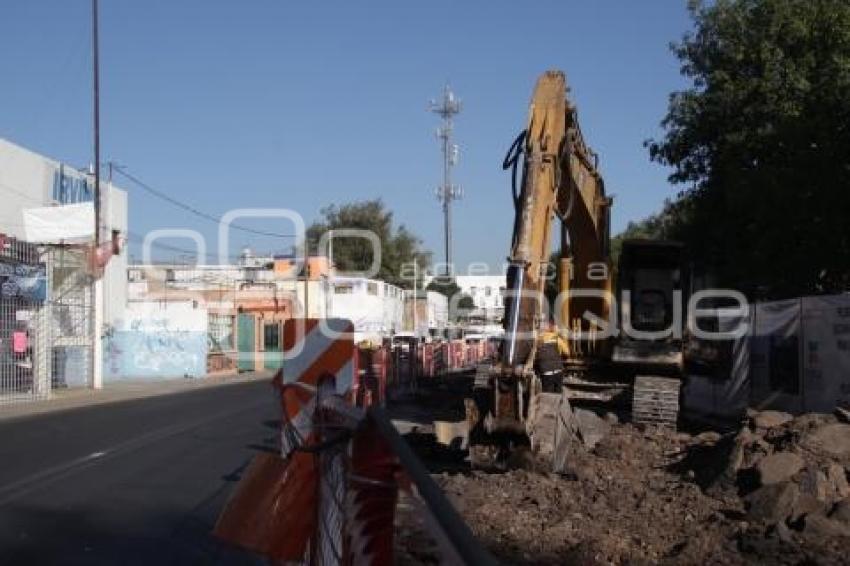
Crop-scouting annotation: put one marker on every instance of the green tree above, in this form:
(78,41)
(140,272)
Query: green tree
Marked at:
(444,285)
(460,304)
(400,248)
(761,143)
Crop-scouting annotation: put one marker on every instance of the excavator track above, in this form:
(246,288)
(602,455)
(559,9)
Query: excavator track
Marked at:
(655,400)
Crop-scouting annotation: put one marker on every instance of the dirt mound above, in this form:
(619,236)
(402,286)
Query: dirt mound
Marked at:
(617,504)
(653,496)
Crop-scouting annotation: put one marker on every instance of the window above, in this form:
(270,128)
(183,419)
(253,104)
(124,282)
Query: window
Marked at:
(487,291)
(343,289)
(221,332)
(372,288)
(473,290)
(271,336)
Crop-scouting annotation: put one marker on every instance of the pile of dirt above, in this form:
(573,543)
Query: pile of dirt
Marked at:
(771,493)
(792,473)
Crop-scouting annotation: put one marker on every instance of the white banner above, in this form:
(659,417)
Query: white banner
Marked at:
(826,347)
(52,224)
(725,394)
(775,355)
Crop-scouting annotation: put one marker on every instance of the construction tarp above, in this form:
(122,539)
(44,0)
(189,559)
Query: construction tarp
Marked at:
(801,353)
(775,351)
(795,358)
(826,352)
(54,224)
(726,393)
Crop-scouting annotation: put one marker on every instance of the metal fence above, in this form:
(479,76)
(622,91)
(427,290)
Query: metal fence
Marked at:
(346,489)
(71,309)
(24,331)
(46,320)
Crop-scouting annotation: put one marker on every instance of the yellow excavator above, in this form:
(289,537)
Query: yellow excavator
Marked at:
(552,354)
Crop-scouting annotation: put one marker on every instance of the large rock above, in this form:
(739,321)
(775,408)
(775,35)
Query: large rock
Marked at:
(834,439)
(820,526)
(837,478)
(828,485)
(814,483)
(771,419)
(841,512)
(805,505)
(778,467)
(591,427)
(772,503)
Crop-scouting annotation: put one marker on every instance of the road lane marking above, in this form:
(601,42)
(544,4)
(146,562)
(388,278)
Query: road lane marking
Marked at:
(39,480)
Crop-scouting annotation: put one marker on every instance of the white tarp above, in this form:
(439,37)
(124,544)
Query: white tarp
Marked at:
(52,224)
(826,352)
(726,394)
(775,356)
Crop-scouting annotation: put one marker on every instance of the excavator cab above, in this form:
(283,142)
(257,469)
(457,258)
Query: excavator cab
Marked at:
(652,287)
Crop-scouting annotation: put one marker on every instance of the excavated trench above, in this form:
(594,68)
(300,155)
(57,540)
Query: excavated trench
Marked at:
(643,494)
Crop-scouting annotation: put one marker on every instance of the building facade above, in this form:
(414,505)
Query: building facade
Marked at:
(247,303)
(56,339)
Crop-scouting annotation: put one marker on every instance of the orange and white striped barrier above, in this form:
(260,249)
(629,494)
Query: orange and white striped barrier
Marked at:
(313,350)
(331,500)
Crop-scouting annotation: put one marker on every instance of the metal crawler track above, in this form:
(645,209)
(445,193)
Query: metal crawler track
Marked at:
(655,400)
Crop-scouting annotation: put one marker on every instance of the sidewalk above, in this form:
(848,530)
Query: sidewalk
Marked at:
(65,399)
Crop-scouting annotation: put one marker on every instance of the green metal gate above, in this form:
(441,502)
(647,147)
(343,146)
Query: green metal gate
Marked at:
(246,342)
(272,345)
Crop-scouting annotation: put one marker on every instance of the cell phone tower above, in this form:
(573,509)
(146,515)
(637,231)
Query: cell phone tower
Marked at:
(447,107)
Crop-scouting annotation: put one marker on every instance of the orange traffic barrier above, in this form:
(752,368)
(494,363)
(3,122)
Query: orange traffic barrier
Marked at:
(252,518)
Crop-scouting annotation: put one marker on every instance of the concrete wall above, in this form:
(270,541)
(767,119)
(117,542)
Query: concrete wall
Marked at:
(158,340)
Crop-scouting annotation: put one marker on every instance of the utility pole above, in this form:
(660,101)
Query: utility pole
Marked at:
(447,108)
(98,285)
(96,112)
(306,287)
(415,301)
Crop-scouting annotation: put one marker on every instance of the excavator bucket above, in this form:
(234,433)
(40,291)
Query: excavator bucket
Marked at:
(557,429)
(553,428)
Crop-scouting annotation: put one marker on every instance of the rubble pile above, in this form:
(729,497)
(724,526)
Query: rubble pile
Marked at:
(774,492)
(792,474)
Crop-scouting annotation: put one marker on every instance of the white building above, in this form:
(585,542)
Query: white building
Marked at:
(376,308)
(488,295)
(30,181)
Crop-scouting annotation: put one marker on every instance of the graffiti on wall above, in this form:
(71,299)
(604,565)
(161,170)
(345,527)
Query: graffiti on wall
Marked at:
(150,349)
(145,355)
(157,341)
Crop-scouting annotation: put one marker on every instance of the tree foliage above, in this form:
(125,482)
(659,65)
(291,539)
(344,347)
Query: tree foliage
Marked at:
(400,248)
(460,304)
(760,144)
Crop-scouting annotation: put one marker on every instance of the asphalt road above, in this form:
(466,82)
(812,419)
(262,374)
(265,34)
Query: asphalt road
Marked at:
(136,482)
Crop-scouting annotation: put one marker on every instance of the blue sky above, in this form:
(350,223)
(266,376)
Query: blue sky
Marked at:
(267,103)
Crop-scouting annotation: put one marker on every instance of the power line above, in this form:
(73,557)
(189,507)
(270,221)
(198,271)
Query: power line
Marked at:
(131,236)
(139,239)
(193,210)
